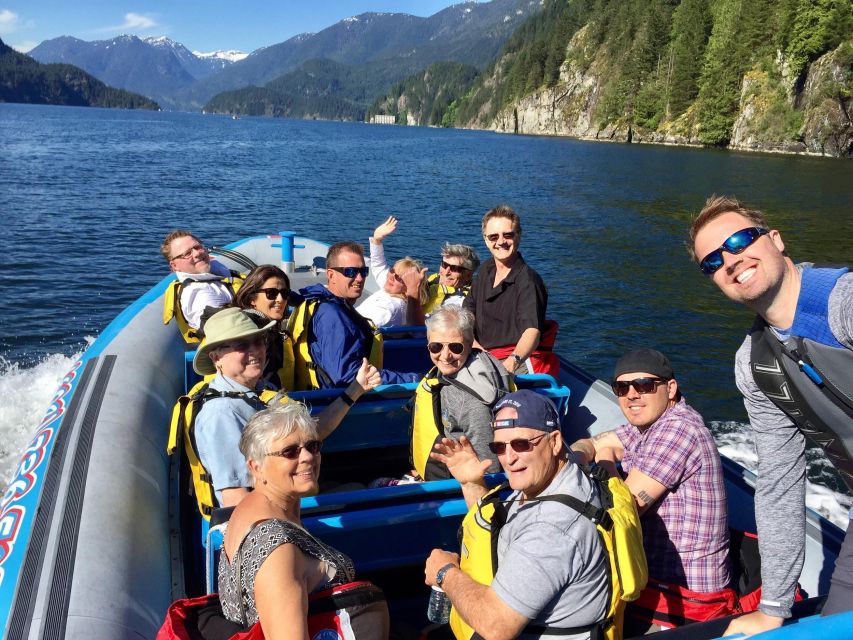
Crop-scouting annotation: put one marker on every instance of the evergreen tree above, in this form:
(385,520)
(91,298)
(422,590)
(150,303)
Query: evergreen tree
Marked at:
(691,27)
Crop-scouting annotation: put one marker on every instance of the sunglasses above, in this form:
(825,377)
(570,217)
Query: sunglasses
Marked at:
(395,275)
(272,293)
(437,347)
(292,452)
(455,268)
(734,244)
(521,445)
(352,272)
(494,237)
(186,255)
(642,385)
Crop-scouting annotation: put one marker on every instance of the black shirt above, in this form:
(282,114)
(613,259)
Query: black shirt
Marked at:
(503,313)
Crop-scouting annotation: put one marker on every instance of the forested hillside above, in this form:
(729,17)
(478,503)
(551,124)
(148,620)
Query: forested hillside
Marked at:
(22,79)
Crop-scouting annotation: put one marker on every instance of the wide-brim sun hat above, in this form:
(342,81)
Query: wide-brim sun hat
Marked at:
(223,327)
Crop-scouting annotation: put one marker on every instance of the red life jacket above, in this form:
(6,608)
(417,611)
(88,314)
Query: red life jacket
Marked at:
(353,610)
(543,359)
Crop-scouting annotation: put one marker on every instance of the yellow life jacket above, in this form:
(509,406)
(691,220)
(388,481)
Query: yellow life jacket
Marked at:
(439,292)
(172,303)
(183,423)
(307,373)
(618,524)
(284,374)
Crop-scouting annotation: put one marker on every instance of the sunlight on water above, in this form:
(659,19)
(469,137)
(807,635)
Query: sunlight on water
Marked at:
(734,441)
(26,394)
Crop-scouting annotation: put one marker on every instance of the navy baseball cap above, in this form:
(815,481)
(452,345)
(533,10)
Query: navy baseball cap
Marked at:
(534,411)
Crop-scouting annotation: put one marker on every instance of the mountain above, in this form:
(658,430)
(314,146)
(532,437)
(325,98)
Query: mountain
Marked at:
(401,44)
(23,79)
(157,67)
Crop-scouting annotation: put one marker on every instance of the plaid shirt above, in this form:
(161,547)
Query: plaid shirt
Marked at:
(685,533)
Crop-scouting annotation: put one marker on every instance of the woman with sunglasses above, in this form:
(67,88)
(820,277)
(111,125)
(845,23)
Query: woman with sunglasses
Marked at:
(236,351)
(509,300)
(402,289)
(270,564)
(266,292)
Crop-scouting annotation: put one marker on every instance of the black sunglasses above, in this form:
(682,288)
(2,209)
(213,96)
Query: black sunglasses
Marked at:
(455,268)
(292,452)
(507,235)
(455,347)
(521,445)
(352,272)
(734,244)
(642,385)
(272,293)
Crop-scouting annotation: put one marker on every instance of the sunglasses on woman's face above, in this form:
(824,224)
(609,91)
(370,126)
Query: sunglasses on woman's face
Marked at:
(292,452)
(506,235)
(642,385)
(272,293)
(454,268)
(734,244)
(521,445)
(437,347)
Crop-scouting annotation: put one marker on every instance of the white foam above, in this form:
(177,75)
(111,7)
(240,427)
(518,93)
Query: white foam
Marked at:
(26,394)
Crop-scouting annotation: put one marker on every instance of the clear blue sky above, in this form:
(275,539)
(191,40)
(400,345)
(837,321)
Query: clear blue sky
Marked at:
(200,25)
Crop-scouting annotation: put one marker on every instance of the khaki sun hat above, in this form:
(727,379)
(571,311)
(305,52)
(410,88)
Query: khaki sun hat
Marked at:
(223,327)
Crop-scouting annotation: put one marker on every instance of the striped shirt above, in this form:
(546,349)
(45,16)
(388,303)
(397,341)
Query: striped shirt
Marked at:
(685,533)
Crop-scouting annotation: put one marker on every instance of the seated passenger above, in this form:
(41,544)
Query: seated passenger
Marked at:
(552,567)
(674,471)
(509,300)
(467,382)
(453,281)
(202,283)
(235,351)
(402,289)
(266,292)
(330,337)
(280,563)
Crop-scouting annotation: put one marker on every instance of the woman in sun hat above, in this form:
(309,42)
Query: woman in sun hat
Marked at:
(236,352)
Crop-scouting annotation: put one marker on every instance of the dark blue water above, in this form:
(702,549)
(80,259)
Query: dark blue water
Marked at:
(86,195)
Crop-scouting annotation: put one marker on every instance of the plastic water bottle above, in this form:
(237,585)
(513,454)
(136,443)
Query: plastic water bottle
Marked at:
(438,611)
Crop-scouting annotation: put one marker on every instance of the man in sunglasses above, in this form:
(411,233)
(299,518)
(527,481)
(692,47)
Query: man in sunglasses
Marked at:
(202,282)
(675,474)
(552,569)
(795,371)
(330,352)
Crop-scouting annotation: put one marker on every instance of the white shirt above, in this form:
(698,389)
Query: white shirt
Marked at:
(196,296)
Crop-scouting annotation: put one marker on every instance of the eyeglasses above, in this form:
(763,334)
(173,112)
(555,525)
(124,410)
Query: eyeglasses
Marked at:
(521,445)
(642,385)
(186,255)
(292,452)
(455,268)
(352,272)
(437,347)
(272,293)
(244,345)
(494,237)
(734,244)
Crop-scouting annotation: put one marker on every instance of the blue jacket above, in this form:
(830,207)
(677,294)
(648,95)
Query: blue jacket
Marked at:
(340,339)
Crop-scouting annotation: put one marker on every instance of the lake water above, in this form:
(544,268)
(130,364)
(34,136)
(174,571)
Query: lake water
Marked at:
(86,196)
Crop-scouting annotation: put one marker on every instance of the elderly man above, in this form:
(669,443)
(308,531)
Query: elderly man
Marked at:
(453,281)
(330,336)
(202,282)
(552,569)
(795,371)
(675,474)
(455,398)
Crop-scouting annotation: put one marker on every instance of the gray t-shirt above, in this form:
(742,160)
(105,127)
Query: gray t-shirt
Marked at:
(780,492)
(552,565)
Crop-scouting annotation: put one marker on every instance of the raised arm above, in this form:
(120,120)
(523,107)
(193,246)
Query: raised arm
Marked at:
(366,379)
(464,465)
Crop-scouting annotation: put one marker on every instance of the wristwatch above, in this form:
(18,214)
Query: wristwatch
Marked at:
(439,577)
(517,358)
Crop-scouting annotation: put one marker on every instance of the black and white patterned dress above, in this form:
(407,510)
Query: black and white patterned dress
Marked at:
(264,538)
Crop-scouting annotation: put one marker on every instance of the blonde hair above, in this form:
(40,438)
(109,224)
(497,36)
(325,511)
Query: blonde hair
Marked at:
(403,265)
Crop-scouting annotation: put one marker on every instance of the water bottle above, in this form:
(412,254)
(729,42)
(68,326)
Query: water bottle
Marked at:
(438,611)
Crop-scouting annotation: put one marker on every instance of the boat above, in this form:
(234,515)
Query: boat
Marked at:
(98,534)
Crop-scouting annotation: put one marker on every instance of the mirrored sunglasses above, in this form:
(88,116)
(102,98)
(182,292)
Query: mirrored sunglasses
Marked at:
(272,293)
(642,385)
(455,268)
(520,445)
(352,272)
(292,452)
(506,235)
(455,347)
(734,244)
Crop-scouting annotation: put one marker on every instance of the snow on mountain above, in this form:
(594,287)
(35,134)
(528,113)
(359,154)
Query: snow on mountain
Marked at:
(231,55)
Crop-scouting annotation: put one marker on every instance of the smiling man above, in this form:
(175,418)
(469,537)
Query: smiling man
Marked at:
(795,371)
(675,474)
(453,281)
